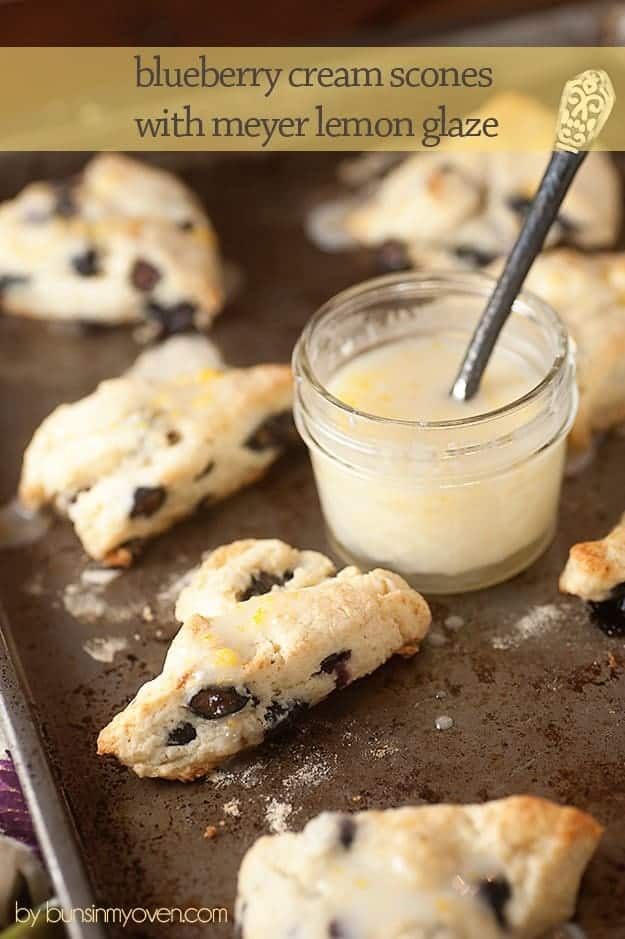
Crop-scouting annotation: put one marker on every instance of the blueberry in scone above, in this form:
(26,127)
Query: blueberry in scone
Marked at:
(595,571)
(122,242)
(268,631)
(508,869)
(474,204)
(145,450)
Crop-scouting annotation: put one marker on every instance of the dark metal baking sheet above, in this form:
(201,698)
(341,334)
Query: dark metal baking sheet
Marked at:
(50,813)
(535,691)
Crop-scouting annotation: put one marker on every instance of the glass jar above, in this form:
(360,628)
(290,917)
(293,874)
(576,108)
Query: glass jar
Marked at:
(451,505)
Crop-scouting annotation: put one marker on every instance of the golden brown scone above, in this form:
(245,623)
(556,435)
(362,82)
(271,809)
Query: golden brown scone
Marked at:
(475,203)
(122,242)
(148,448)
(508,869)
(595,568)
(268,631)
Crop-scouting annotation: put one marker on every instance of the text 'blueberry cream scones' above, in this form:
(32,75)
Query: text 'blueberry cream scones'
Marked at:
(119,243)
(595,571)
(148,448)
(508,869)
(473,204)
(268,631)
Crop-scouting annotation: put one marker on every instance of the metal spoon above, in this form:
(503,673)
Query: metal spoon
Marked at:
(585,106)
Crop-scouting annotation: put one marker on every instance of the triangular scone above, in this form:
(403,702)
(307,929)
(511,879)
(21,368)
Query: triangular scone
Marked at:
(474,203)
(268,631)
(121,242)
(503,870)
(596,568)
(146,449)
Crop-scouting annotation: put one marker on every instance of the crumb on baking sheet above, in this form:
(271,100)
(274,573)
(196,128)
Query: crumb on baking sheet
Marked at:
(232,808)
(443,722)
(210,832)
(104,648)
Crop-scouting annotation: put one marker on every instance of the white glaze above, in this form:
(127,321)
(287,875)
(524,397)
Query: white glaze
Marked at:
(410,517)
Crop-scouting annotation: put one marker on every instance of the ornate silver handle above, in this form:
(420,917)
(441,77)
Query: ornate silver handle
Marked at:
(585,106)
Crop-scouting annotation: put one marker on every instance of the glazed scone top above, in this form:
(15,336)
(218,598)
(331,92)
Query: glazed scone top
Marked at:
(279,623)
(144,449)
(476,201)
(177,357)
(133,423)
(121,241)
(509,868)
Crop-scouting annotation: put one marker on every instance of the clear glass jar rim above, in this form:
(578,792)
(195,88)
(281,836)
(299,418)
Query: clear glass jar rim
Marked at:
(474,282)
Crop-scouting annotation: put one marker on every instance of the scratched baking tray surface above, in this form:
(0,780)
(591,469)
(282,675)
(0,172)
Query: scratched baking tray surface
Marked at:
(535,691)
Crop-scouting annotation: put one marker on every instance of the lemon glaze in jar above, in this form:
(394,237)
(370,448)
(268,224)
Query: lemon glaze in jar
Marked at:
(452,504)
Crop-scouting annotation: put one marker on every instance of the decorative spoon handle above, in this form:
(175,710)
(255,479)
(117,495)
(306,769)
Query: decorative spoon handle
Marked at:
(584,108)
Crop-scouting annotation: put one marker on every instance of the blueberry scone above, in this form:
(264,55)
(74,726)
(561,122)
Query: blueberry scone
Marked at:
(508,869)
(121,242)
(148,448)
(595,571)
(267,632)
(473,204)
(588,292)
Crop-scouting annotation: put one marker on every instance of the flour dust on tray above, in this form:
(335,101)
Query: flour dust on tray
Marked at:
(120,243)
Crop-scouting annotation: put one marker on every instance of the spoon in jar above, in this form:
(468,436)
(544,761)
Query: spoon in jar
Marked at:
(585,106)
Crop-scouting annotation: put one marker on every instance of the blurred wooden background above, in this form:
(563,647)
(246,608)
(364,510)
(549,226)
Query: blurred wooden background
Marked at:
(244,22)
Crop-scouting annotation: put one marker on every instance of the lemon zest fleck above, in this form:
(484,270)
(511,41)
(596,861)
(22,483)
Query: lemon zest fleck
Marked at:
(207,374)
(227,657)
